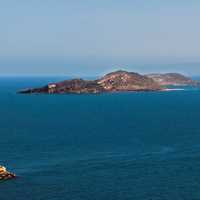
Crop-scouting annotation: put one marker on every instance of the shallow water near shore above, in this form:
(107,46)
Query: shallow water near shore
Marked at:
(118,146)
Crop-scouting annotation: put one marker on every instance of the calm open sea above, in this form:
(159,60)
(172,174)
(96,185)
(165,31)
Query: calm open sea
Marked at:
(122,146)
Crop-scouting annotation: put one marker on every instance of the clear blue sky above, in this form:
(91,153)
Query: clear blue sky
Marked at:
(92,37)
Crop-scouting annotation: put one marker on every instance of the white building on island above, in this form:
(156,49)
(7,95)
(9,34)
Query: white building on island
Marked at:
(51,87)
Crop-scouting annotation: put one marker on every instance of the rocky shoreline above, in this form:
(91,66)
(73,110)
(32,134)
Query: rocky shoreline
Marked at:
(5,175)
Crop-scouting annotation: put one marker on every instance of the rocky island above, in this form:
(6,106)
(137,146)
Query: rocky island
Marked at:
(117,81)
(5,175)
(112,82)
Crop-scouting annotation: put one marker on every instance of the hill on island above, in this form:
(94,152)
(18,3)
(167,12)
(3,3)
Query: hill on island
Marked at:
(172,79)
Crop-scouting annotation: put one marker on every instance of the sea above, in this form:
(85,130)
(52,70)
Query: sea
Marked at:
(116,146)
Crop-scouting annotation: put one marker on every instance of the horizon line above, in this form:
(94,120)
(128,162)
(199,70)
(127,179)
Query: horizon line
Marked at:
(82,75)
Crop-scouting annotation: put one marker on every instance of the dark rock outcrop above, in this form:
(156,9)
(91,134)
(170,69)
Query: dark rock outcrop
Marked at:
(5,175)
(69,86)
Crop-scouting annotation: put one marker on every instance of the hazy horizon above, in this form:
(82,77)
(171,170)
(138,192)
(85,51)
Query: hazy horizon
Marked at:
(88,71)
(92,38)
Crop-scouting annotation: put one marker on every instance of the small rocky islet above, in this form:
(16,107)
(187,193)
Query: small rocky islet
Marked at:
(118,81)
(5,175)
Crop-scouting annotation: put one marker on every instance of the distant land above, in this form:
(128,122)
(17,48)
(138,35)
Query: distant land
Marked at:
(117,81)
(174,79)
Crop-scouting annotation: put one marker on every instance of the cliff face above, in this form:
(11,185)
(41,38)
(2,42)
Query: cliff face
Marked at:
(115,81)
(172,79)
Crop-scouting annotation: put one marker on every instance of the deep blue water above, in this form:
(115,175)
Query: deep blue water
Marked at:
(122,146)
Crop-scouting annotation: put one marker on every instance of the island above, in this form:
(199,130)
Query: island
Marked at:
(5,175)
(117,81)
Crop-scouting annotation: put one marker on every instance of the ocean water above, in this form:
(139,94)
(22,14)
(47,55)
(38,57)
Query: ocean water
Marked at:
(122,146)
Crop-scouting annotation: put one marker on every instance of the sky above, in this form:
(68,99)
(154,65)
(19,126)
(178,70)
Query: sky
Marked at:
(86,38)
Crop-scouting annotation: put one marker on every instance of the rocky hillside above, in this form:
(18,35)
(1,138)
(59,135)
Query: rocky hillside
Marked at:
(115,81)
(172,79)
(127,81)
(68,86)
(5,175)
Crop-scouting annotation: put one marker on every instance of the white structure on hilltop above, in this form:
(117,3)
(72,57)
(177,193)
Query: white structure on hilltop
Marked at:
(51,87)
